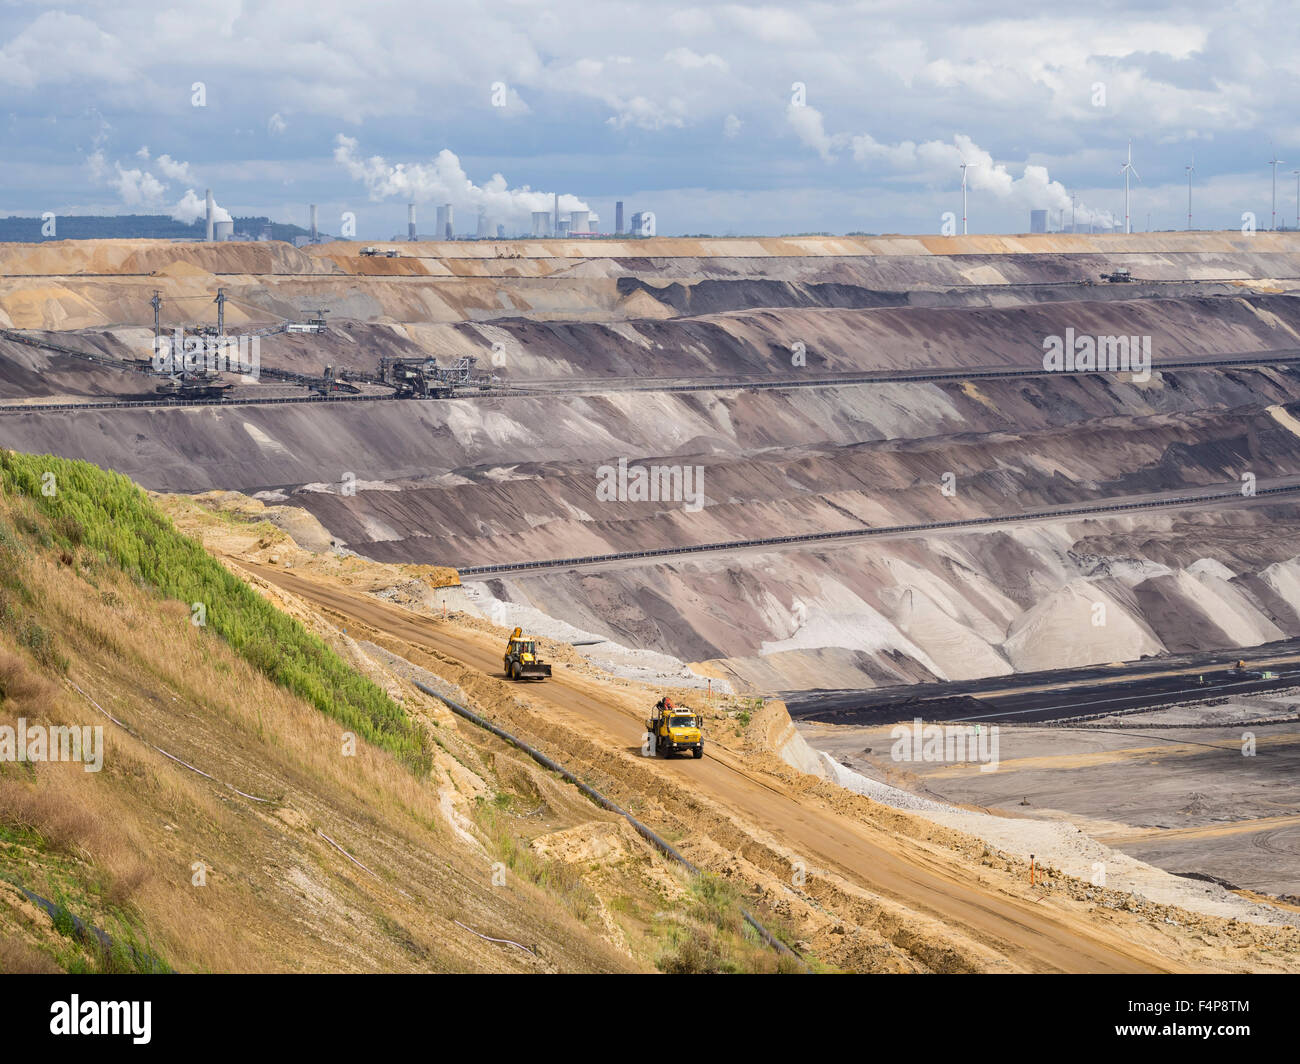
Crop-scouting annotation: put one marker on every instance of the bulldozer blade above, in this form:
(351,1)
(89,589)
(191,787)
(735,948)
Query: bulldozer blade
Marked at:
(534,672)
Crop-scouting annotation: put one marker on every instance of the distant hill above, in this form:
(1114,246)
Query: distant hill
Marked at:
(15,230)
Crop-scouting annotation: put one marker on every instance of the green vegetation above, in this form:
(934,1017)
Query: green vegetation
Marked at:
(72,887)
(749,706)
(706,933)
(105,514)
(560,880)
(15,602)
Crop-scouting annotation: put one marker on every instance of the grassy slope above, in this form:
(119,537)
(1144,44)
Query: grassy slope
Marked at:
(123,849)
(106,514)
(96,590)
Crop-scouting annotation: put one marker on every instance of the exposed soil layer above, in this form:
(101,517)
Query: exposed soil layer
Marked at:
(482,481)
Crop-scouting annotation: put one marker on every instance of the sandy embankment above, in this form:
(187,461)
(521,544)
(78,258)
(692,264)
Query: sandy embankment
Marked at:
(1060,843)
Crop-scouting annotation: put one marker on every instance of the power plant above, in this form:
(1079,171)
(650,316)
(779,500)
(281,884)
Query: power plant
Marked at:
(542,224)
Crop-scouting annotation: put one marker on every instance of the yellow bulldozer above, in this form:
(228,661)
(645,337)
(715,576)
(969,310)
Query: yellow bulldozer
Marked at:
(521,660)
(674,729)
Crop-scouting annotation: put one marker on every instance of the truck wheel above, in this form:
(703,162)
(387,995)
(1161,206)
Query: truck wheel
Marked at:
(514,670)
(698,752)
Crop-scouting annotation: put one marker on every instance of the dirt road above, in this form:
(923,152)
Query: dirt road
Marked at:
(1030,936)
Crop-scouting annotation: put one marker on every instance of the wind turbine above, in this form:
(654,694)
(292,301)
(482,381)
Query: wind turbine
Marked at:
(1273,163)
(1191,169)
(964,167)
(1297,198)
(1127,169)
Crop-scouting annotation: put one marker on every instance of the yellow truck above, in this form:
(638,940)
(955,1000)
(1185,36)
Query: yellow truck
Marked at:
(521,659)
(674,729)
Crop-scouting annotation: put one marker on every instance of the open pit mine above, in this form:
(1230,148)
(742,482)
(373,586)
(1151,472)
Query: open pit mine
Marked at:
(973,564)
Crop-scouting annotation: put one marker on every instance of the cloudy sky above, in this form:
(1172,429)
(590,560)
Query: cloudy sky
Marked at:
(719,117)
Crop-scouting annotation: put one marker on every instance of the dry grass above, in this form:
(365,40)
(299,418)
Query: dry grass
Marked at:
(119,847)
(45,806)
(17,957)
(20,683)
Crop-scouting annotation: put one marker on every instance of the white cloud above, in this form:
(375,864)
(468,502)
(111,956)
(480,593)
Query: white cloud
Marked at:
(645,113)
(138,188)
(173,170)
(691,22)
(688,60)
(275,125)
(774,25)
(810,128)
(58,47)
